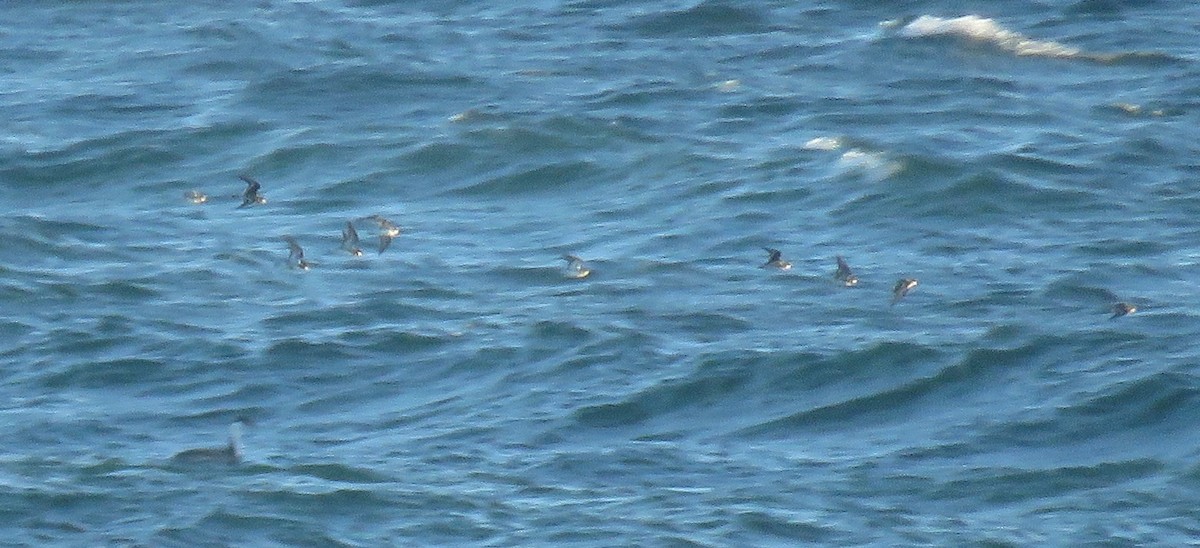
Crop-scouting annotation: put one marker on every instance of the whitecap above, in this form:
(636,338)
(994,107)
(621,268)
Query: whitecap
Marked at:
(823,143)
(982,29)
(873,165)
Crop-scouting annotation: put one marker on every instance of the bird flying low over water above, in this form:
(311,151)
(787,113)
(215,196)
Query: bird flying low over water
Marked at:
(1122,309)
(195,196)
(902,288)
(844,274)
(775,260)
(296,254)
(575,268)
(231,453)
(350,240)
(387,230)
(251,196)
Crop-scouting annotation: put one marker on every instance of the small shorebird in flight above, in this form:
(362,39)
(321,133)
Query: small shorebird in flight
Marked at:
(350,240)
(251,196)
(295,254)
(387,230)
(575,268)
(775,260)
(844,274)
(902,288)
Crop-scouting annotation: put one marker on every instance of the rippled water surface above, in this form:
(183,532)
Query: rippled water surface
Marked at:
(1029,163)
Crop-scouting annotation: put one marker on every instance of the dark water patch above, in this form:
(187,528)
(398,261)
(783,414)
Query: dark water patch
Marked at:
(1007,486)
(309,90)
(708,18)
(706,390)
(782,528)
(439,157)
(772,106)
(554,178)
(226,528)
(1124,249)
(124,290)
(1152,402)
(342,473)
(289,352)
(877,402)
(105,374)
(398,341)
(99,161)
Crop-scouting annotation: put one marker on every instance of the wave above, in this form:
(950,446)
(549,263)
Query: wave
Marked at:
(982,29)
(704,19)
(987,31)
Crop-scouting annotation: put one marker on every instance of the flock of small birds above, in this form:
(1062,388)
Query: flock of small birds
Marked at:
(388,230)
(846,276)
(576,268)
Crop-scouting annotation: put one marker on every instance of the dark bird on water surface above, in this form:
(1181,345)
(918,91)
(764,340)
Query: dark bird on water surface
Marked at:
(844,274)
(902,288)
(575,268)
(231,453)
(775,260)
(1122,309)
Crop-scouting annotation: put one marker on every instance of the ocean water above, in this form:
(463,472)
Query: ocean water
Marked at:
(1031,163)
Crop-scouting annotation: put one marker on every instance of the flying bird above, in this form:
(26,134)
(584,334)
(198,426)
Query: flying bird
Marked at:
(350,240)
(296,254)
(387,230)
(251,196)
(844,274)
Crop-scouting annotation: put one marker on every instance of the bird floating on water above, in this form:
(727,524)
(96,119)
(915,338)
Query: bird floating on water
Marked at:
(1122,309)
(844,274)
(231,453)
(195,196)
(387,230)
(775,260)
(251,196)
(350,240)
(296,254)
(575,268)
(902,288)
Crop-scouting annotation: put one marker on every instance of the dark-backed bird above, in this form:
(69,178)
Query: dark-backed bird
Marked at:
(844,274)
(350,240)
(1122,309)
(231,453)
(296,254)
(902,288)
(387,230)
(775,260)
(251,196)
(575,268)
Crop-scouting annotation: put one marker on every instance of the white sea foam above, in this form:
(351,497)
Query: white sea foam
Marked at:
(823,143)
(873,165)
(982,29)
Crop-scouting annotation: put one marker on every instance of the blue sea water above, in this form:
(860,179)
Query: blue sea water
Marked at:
(1031,163)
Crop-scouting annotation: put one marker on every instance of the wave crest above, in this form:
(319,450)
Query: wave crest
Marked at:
(982,29)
